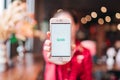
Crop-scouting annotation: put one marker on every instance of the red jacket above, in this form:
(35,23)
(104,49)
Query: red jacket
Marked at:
(76,69)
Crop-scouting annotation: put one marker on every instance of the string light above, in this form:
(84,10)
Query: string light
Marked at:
(100,21)
(117,15)
(88,18)
(83,20)
(103,9)
(107,18)
(93,14)
(118,26)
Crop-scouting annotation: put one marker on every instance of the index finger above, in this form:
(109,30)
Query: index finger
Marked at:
(48,35)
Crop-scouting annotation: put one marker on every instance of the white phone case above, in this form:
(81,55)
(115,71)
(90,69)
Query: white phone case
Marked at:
(60,29)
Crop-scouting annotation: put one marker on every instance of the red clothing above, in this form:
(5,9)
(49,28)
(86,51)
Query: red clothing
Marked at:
(76,69)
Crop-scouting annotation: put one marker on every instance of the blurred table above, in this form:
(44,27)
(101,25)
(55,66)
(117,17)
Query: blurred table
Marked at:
(29,67)
(103,67)
(103,71)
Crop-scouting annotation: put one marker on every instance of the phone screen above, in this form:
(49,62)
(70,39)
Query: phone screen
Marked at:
(61,39)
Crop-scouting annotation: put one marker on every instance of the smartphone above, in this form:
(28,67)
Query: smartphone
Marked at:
(60,29)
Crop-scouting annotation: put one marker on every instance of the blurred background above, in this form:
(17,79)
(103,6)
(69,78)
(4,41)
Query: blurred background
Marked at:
(23,27)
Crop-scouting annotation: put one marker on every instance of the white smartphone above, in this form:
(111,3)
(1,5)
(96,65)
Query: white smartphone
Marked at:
(60,29)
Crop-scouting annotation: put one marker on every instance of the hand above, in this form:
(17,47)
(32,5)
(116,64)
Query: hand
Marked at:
(47,46)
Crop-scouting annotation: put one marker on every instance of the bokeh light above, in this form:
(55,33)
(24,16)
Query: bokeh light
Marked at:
(107,18)
(88,18)
(103,9)
(83,20)
(118,26)
(93,14)
(117,15)
(100,21)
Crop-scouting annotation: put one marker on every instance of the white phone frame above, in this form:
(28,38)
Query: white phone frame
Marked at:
(60,59)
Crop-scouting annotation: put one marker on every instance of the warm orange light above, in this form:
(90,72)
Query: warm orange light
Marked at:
(88,18)
(117,15)
(94,14)
(100,21)
(103,9)
(83,20)
(107,18)
(118,26)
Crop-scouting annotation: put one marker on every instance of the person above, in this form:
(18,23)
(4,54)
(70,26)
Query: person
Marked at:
(113,54)
(79,67)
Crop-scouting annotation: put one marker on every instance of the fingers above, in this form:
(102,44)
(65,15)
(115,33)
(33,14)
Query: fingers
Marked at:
(47,48)
(48,54)
(47,45)
(47,42)
(48,35)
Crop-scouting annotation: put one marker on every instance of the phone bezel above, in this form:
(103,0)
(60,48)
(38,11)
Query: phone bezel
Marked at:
(60,59)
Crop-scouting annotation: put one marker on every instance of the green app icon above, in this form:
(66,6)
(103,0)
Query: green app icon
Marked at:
(60,39)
